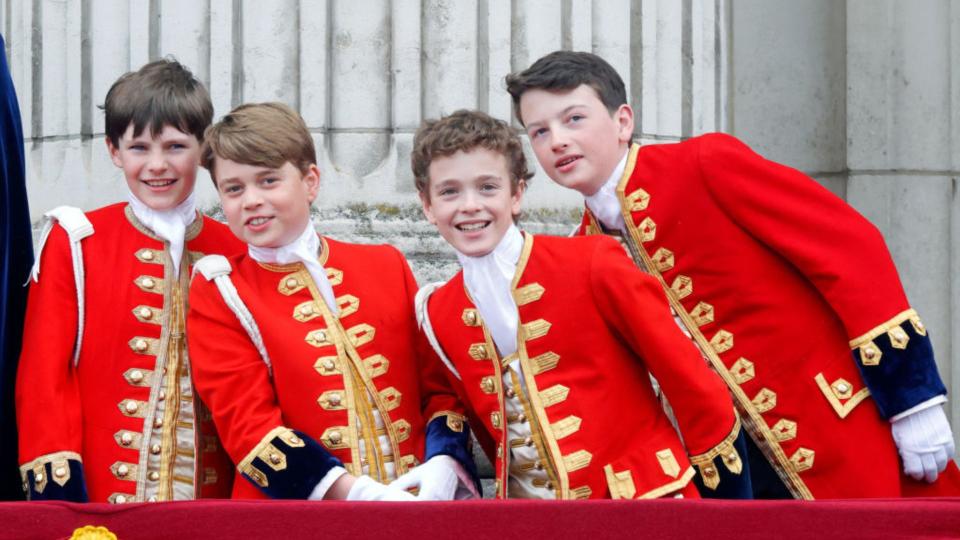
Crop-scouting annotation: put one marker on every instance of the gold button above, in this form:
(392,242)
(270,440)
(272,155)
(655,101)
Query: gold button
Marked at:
(920,326)
(123,470)
(709,471)
(870,352)
(292,282)
(521,418)
(275,458)
(155,449)
(336,437)
(321,335)
(153,498)
(147,255)
(510,393)
(140,345)
(528,441)
(334,399)
(842,388)
(60,472)
(486,385)
(328,365)
(548,485)
(471,317)
(294,439)
(126,439)
(130,406)
(38,477)
(158,422)
(161,395)
(120,499)
(148,283)
(136,376)
(538,465)
(154,475)
(732,456)
(146,313)
(899,334)
(306,310)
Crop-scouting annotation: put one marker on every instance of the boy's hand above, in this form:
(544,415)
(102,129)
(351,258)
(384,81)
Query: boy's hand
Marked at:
(925,443)
(441,478)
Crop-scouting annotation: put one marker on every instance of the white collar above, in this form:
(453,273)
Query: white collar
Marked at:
(304,249)
(604,203)
(170,225)
(488,279)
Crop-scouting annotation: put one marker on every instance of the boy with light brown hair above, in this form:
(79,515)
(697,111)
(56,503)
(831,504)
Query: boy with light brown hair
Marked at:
(306,348)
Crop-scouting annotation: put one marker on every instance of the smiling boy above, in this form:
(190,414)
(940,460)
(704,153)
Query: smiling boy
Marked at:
(790,293)
(307,348)
(105,408)
(554,340)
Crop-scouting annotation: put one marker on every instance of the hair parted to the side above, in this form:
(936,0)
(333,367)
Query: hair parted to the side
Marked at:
(465,130)
(160,93)
(261,134)
(566,70)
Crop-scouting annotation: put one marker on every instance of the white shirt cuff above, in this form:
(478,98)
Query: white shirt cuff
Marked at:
(932,402)
(326,482)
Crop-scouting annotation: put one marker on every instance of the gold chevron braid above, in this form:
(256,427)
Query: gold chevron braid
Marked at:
(755,424)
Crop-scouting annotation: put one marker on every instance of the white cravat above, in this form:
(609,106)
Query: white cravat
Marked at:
(170,225)
(488,280)
(305,250)
(604,203)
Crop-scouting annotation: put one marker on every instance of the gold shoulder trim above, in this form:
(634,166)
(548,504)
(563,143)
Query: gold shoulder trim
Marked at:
(895,322)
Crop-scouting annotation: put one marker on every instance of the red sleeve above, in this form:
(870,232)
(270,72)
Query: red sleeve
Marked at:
(437,397)
(228,372)
(47,391)
(841,253)
(634,304)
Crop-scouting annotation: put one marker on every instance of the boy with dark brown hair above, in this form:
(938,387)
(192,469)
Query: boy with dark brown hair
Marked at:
(790,294)
(105,407)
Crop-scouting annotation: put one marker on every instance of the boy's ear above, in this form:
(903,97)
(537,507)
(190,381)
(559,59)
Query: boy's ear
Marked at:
(517,198)
(427,210)
(114,153)
(312,179)
(624,118)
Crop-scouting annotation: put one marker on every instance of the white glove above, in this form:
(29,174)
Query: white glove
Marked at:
(368,489)
(441,478)
(925,443)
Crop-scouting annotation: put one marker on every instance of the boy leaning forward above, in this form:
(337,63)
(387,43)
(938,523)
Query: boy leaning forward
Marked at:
(306,348)
(554,341)
(790,294)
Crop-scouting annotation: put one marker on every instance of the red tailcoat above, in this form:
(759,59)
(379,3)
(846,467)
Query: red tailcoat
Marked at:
(105,411)
(322,366)
(591,332)
(794,298)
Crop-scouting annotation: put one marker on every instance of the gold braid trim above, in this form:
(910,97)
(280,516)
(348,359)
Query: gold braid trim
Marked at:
(455,421)
(265,447)
(722,449)
(882,329)
(676,485)
(47,458)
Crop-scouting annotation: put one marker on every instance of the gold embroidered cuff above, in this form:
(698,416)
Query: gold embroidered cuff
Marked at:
(731,458)
(269,454)
(891,326)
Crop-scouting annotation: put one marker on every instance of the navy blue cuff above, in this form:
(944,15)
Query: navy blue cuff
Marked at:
(287,464)
(57,481)
(897,365)
(449,435)
(731,485)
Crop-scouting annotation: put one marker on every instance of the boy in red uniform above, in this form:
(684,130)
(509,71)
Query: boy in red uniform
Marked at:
(790,293)
(554,340)
(105,408)
(306,348)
